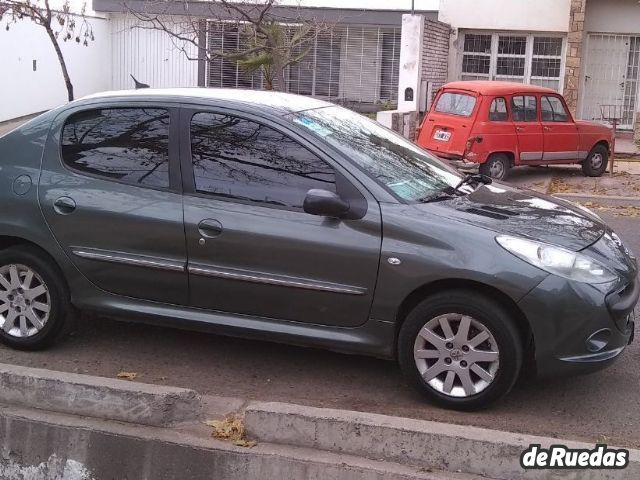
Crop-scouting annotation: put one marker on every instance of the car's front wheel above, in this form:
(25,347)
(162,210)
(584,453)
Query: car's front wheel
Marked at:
(596,162)
(33,299)
(461,349)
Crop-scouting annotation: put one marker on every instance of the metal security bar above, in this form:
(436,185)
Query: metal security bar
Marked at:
(513,57)
(353,65)
(611,76)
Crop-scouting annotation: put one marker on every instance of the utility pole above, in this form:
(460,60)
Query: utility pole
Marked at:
(413,7)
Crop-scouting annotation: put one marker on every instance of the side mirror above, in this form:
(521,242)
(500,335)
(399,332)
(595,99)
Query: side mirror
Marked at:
(324,203)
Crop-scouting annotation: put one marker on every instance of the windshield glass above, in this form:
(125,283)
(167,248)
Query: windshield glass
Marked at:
(456,104)
(402,167)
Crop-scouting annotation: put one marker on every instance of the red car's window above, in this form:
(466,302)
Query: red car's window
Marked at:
(498,110)
(553,110)
(456,104)
(524,108)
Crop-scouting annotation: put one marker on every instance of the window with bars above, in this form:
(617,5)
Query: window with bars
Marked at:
(346,64)
(513,57)
(546,62)
(476,61)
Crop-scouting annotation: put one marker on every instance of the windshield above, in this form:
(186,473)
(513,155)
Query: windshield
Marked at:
(402,167)
(456,104)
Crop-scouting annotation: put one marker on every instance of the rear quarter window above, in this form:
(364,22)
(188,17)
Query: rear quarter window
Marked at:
(460,104)
(498,110)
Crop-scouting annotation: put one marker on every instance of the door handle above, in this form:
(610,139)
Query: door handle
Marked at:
(210,228)
(519,129)
(546,129)
(64,205)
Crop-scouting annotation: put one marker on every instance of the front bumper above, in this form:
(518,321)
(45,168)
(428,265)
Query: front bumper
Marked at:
(577,327)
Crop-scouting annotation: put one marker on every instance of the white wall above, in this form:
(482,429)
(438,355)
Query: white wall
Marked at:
(370,4)
(527,15)
(150,56)
(410,61)
(23,91)
(613,16)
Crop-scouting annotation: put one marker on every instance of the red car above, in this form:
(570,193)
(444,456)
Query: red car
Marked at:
(501,124)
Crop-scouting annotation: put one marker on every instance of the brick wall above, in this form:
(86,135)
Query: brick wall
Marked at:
(435,52)
(574,54)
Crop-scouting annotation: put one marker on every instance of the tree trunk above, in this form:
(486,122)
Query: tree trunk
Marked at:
(278,66)
(63,65)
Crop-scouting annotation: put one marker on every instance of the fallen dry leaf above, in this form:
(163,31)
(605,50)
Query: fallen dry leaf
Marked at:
(619,210)
(127,375)
(230,428)
(244,443)
(558,185)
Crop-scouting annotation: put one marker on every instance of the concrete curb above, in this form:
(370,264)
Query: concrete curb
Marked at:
(472,450)
(41,445)
(60,417)
(97,397)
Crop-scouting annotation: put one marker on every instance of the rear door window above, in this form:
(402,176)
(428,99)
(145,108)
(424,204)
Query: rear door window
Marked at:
(129,145)
(498,110)
(524,108)
(456,104)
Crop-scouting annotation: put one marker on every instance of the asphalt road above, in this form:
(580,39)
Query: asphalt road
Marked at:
(603,407)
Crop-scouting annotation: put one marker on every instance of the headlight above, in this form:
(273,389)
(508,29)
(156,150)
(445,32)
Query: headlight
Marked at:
(557,260)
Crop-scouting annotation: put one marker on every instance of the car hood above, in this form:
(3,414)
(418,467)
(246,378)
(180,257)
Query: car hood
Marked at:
(524,213)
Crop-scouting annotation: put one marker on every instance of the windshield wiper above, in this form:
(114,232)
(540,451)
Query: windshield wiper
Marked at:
(472,177)
(453,192)
(438,197)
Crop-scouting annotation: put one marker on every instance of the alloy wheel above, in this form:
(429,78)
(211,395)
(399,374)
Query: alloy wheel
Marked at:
(456,355)
(25,302)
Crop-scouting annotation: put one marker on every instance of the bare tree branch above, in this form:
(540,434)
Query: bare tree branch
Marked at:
(55,23)
(264,42)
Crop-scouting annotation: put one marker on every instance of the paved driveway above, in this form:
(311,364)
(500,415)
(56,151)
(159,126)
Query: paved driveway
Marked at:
(600,407)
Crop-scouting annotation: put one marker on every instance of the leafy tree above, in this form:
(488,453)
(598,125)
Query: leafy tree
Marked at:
(60,24)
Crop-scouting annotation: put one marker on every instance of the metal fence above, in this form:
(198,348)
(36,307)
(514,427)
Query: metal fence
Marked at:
(353,65)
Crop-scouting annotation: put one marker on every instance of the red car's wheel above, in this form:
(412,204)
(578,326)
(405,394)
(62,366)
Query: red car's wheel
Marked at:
(497,166)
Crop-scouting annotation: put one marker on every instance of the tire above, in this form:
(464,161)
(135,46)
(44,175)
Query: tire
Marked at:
(52,307)
(484,315)
(596,162)
(497,166)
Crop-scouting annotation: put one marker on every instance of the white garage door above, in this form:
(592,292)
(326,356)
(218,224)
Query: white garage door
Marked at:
(611,76)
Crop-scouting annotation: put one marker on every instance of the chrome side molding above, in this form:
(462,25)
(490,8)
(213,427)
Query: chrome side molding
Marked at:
(128,259)
(281,280)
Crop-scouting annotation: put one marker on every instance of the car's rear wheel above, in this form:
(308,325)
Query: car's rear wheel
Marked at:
(596,162)
(33,299)
(461,349)
(497,166)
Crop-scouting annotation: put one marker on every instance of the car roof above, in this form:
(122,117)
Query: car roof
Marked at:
(260,99)
(488,87)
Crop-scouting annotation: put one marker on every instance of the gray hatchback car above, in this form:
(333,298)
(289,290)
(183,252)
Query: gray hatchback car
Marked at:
(289,219)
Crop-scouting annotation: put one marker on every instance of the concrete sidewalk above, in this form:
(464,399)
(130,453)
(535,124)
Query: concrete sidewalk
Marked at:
(293,442)
(6,127)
